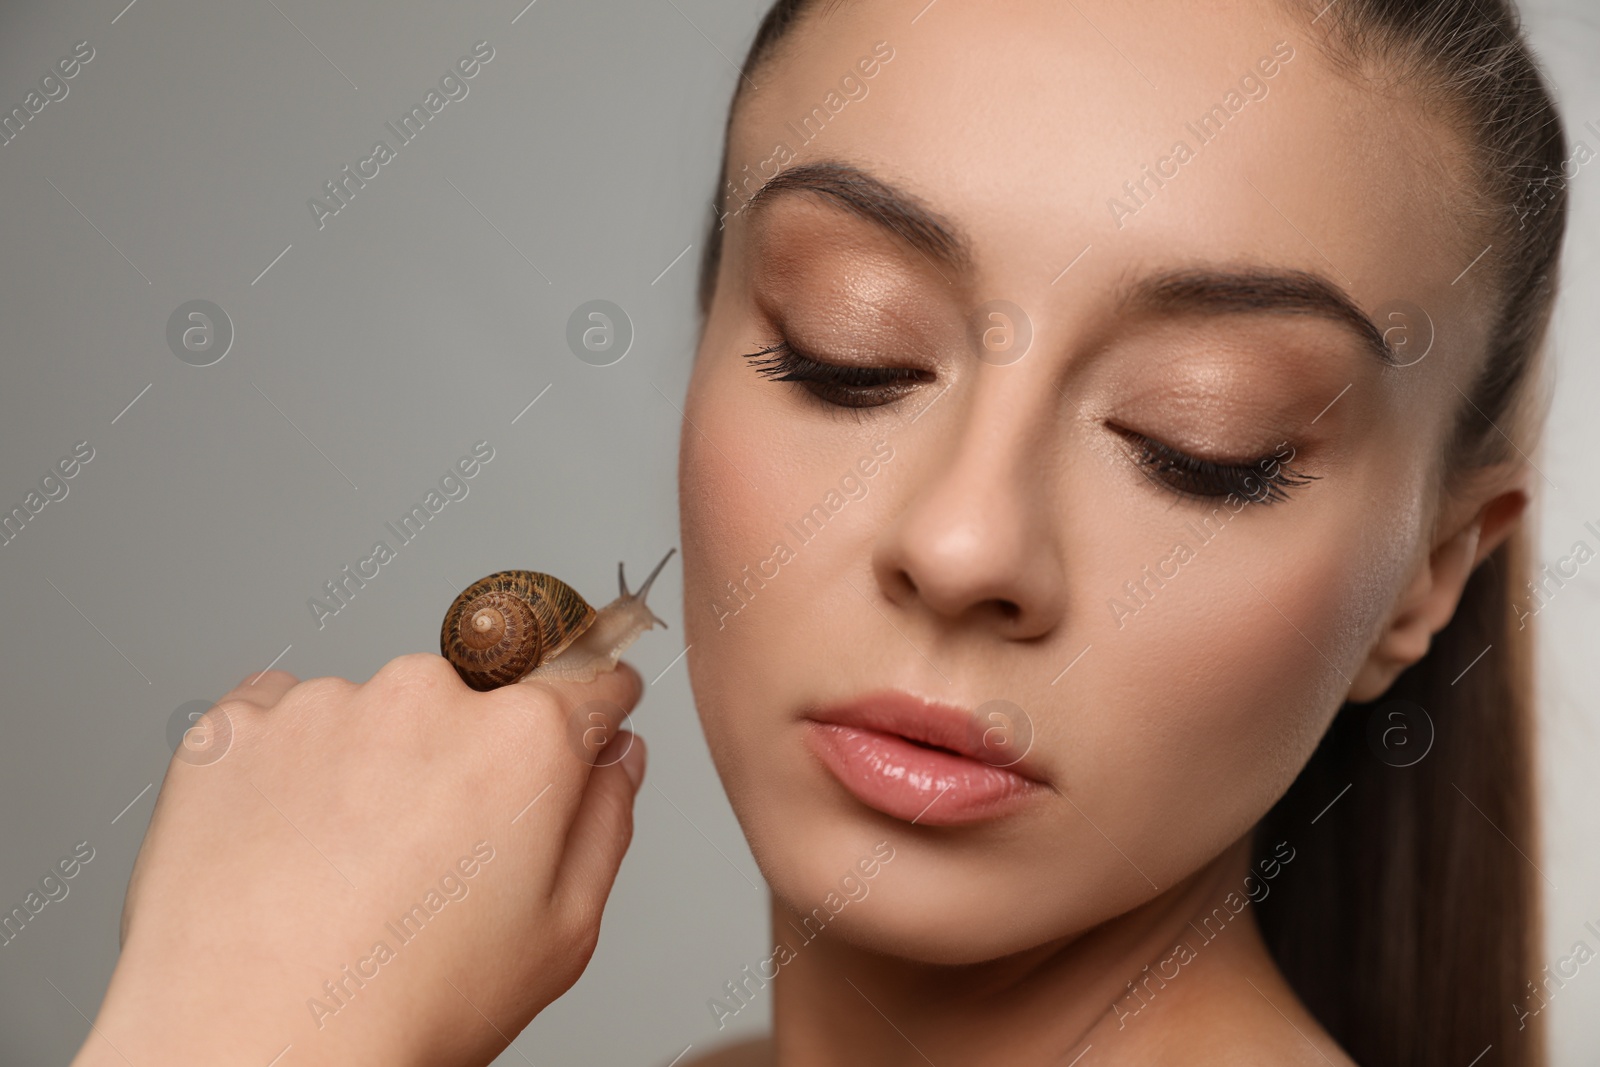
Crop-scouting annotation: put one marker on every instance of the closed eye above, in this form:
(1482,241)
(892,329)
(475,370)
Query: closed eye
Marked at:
(836,384)
(1265,480)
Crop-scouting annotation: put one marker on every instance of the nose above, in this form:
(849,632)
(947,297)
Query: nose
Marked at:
(977,541)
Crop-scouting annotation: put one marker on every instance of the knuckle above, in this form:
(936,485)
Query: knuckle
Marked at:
(582,937)
(624,819)
(621,828)
(236,710)
(530,694)
(577,730)
(209,738)
(613,791)
(531,710)
(620,803)
(570,963)
(266,679)
(419,672)
(320,692)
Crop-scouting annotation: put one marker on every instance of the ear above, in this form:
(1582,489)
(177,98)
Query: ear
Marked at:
(1472,525)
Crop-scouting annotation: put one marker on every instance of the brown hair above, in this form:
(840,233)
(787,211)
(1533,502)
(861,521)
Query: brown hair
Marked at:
(1410,924)
(1412,930)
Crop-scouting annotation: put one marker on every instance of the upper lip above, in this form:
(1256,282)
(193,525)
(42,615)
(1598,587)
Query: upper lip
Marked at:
(929,722)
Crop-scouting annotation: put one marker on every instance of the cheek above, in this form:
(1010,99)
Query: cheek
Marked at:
(1217,692)
(770,541)
(765,512)
(729,503)
(729,497)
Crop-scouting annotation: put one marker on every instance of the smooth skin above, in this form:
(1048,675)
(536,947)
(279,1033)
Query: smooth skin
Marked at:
(983,559)
(978,563)
(335,810)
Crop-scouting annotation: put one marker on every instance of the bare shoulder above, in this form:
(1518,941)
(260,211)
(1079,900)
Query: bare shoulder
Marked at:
(753,1052)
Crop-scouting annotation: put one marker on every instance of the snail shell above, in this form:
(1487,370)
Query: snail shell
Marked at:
(503,626)
(511,624)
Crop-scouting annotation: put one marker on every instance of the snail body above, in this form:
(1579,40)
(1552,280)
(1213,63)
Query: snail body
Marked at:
(514,624)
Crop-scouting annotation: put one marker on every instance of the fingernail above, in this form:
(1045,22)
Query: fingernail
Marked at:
(633,762)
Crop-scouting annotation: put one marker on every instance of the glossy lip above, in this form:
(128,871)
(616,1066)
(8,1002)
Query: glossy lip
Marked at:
(878,746)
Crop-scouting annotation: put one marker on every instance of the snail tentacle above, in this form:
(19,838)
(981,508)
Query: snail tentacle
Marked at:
(616,626)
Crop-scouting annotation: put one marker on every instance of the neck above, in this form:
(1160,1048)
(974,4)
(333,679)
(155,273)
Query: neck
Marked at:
(1121,986)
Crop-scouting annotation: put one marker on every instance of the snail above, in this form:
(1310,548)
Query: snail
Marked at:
(513,624)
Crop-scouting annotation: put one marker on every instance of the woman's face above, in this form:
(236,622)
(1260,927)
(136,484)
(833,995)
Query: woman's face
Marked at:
(1018,492)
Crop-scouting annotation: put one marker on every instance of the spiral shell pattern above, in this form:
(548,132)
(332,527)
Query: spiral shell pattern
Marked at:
(503,626)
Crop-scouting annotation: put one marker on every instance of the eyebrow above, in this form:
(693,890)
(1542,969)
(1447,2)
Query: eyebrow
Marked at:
(1254,289)
(871,198)
(1211,290)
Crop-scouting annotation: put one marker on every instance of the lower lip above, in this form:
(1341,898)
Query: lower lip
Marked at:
(930,787)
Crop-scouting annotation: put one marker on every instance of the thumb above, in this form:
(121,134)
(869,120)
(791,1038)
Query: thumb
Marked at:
(603,827)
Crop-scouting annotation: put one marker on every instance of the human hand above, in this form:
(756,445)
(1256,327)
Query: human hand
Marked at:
(403,871)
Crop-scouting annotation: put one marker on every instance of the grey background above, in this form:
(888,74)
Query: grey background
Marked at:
(424,317)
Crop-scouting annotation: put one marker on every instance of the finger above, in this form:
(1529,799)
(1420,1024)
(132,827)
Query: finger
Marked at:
(262,688)
(565,723)
(592,711)
(602,830)
(621,686)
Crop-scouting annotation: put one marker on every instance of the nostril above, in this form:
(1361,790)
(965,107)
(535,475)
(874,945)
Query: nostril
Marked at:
(909,583)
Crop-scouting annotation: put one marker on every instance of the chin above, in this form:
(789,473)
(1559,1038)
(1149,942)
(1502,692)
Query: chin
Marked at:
(936,902)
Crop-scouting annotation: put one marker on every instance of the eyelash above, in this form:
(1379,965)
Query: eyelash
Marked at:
(847,386)
(837,384)
(1204,479)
